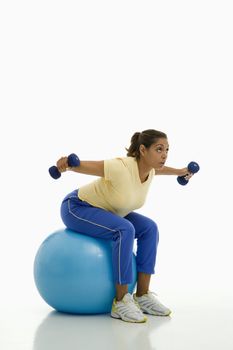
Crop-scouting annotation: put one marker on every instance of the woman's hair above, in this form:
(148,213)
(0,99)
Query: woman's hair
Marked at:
(146,138)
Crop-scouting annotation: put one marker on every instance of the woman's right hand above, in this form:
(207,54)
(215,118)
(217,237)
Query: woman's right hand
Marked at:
(62,164)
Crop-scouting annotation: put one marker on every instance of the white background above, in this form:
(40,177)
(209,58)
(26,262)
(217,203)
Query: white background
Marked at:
(82,77)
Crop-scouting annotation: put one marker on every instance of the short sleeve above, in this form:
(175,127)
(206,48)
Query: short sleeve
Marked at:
(113,169)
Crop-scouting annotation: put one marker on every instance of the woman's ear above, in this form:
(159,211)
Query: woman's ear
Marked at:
(142,149)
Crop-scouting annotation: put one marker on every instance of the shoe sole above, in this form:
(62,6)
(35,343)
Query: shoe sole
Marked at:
(156,314)
(114,315)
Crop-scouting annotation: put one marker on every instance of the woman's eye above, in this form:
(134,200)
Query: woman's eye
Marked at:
(161,150)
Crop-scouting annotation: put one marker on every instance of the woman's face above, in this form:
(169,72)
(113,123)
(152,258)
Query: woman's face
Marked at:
(155,156)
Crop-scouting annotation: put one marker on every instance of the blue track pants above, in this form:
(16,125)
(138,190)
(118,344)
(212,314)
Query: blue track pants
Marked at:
(84,218)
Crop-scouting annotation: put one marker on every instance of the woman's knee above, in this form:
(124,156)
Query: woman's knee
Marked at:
(126,231)
(153,229)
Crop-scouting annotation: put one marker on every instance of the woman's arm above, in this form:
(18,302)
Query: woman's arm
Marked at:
(87,167)
(90,167)
(165,170)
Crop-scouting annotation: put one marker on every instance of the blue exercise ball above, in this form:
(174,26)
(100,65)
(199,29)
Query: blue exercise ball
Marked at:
(73,273)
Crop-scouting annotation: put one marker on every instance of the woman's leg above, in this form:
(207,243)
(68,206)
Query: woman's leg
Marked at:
(143,283)
(147,235)
(121,290)
(80,216)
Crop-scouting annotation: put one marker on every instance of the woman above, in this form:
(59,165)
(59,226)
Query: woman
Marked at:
(105,208)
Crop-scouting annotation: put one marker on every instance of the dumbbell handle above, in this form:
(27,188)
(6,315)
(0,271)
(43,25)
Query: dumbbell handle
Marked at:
(73,161)
(193,168)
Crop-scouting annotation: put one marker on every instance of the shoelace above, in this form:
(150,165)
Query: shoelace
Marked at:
(149,292)
(135,306)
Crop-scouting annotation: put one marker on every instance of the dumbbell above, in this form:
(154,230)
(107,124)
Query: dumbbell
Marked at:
(193,168)
(73,160)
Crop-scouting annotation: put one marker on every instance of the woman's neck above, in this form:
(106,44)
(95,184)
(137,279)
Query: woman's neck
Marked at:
(143,170)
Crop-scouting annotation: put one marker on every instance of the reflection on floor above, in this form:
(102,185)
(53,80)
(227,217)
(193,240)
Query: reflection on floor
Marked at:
(60,331)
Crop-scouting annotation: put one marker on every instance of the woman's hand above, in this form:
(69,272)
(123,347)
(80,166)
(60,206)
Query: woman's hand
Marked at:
(62,164)
(185,172)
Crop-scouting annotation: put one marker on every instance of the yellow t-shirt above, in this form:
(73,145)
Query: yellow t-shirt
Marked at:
(120,191)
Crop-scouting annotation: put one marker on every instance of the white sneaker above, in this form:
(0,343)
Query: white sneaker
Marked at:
(127,310)
(149,304)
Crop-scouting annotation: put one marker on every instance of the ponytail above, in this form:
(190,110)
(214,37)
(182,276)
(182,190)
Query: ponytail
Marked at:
(133,150)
